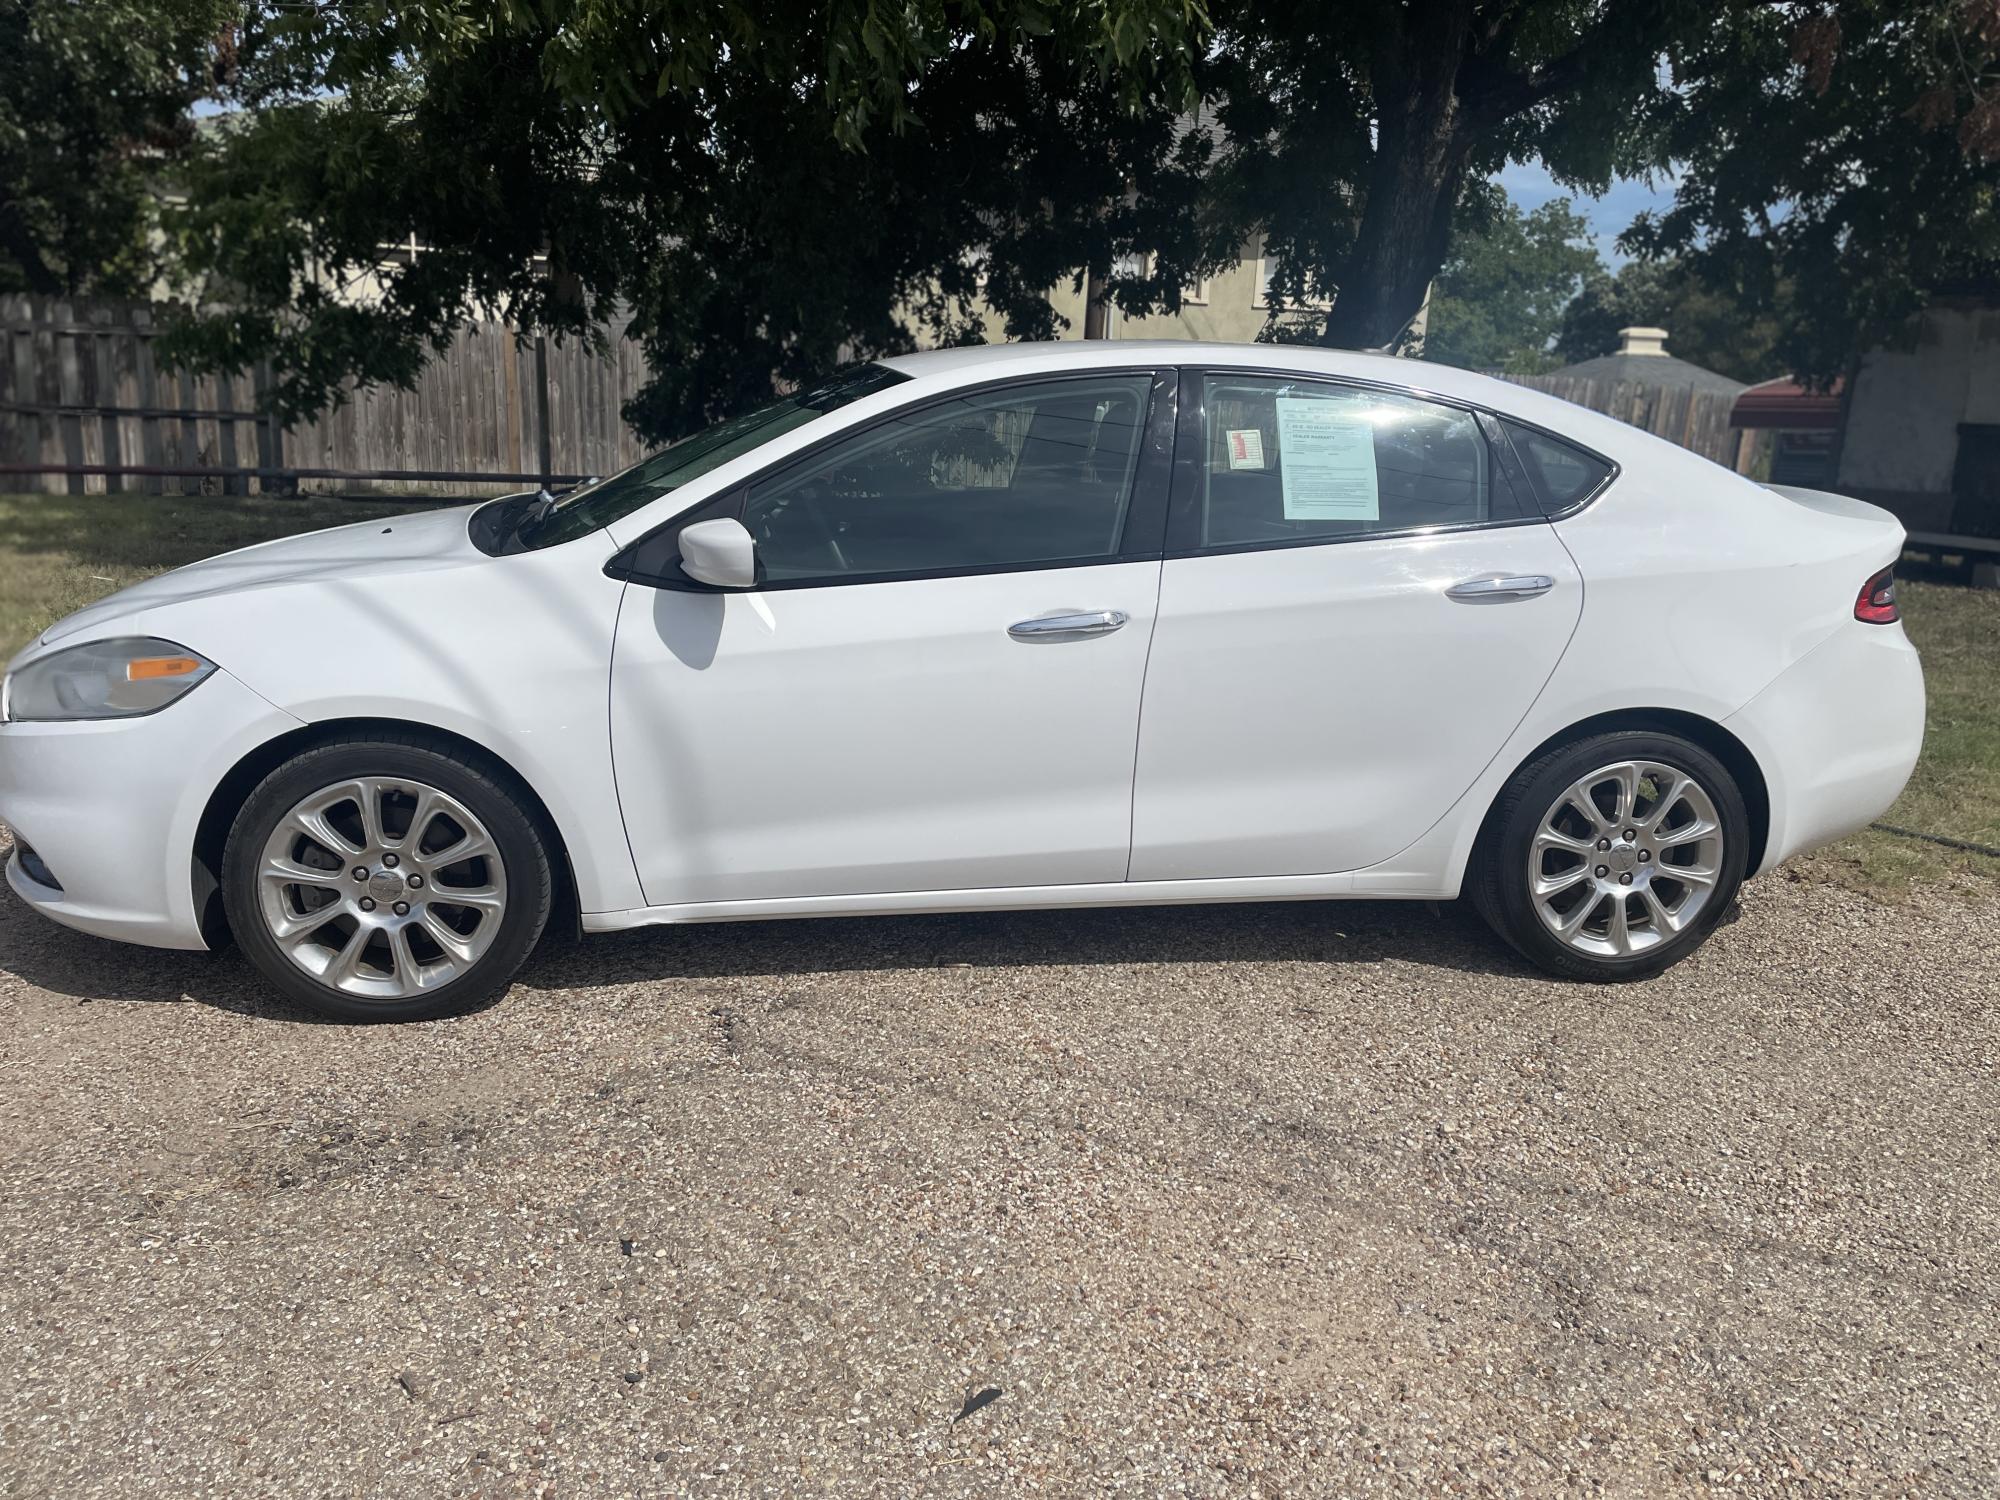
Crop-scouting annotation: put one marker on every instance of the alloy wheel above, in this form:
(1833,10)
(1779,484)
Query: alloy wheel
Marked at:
(382,887)
(1625,859)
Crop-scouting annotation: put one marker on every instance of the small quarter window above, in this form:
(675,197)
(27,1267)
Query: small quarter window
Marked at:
(1566,476)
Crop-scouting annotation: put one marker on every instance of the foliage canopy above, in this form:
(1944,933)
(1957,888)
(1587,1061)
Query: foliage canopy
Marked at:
(1500,297)
(763,187)
(95,103)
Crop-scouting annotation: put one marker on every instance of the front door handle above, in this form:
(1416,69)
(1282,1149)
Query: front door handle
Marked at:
(1091,622)
(1479,590)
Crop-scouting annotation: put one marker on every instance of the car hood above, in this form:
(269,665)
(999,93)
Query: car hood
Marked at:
(365,549)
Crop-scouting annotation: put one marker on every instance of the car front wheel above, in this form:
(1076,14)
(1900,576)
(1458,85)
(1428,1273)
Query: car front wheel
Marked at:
(386,879)
(1613,857)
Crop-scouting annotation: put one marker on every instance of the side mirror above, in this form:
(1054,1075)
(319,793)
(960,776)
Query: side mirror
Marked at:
(720,552)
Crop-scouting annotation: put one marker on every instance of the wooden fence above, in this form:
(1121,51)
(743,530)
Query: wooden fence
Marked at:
(84,408)
(1694,419)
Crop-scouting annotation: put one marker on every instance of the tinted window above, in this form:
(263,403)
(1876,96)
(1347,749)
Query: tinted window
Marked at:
(603,501)
(1035,473)
(1292,460)
(1566,476)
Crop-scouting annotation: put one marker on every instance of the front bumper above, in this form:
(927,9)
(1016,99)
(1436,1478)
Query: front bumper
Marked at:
(112,805)
(1837,735)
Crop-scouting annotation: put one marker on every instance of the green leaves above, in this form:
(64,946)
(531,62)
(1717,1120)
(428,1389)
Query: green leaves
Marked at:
(762,188)
(1500,298)
(765,187)
(1832,167)
(94,110)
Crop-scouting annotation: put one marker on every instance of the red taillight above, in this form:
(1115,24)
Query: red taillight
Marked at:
(1876,604)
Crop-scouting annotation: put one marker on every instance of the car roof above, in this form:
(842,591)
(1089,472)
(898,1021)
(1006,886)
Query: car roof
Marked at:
(1084,353)
(971,363)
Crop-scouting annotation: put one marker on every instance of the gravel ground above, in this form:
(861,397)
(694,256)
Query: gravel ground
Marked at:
(1239,1200)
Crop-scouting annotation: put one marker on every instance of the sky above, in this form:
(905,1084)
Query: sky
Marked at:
(1530,186)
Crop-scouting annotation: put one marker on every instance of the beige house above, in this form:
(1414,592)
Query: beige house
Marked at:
(1231,307)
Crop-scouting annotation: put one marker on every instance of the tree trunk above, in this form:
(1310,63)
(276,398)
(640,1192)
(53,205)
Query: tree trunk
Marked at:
(1421,149)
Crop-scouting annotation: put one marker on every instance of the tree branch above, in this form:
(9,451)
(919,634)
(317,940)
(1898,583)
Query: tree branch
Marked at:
(1493,92)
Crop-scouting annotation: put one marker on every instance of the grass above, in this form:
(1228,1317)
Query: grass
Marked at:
(59,552)
(1955,792)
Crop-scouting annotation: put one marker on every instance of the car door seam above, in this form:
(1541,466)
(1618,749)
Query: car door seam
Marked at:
(1139,719)
(1576,624)
(611,740)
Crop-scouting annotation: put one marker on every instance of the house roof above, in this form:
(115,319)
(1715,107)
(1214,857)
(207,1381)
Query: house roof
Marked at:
(1642,357)
(1784,403)
(1649,369)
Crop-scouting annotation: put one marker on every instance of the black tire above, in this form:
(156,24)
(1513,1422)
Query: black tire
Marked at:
(1498,882)
(504,810)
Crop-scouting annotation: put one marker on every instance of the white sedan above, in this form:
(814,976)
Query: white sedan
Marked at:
(1024,626)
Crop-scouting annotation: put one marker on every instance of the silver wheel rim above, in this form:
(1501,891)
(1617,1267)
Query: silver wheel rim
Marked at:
(382,887)
(1625,859)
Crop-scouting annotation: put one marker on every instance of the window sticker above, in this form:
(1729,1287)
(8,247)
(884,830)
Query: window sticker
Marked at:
(1246,448)
(1326,461)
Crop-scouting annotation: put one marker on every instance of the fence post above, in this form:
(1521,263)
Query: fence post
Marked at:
(544,440)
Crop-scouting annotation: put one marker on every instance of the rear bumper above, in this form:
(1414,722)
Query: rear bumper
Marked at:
(1837,735)
(111,806)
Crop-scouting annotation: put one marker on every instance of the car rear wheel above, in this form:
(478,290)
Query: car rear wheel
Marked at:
(1612,858)
(386,879)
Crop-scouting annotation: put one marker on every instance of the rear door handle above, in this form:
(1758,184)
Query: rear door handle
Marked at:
(1090,622)
(1478,590)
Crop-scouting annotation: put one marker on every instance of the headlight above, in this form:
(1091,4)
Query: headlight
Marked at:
(103,680)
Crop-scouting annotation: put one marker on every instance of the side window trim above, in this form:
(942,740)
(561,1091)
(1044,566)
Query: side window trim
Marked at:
(1142,539)
(1511,463)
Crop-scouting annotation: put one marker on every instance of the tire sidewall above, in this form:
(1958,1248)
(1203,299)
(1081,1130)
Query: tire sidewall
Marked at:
(1506,898)
(513,831)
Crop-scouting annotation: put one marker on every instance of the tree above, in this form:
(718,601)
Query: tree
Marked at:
(1498,301)
(94,101)
(1351,132)
(1717,327)
(767,188)
(763,189)
(1839,158)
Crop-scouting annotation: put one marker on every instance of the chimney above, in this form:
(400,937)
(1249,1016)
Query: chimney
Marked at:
(1642,341)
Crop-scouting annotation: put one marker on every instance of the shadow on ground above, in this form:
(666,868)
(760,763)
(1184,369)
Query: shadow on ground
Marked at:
(93,970)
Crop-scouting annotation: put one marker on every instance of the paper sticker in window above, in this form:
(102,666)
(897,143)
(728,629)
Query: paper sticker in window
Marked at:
(1246,448)
(1326,453)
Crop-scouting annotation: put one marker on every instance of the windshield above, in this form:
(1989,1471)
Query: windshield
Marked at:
(593,506)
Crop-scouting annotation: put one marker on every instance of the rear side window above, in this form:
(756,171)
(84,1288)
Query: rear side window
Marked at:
(1566,476)
(1035,473)
(1289,460)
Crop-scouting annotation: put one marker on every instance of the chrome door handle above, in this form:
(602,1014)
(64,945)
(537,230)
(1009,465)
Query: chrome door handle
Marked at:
(1092,622)
(1475,590)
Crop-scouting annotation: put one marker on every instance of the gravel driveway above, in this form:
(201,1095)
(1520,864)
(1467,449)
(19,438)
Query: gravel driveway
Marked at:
(1237,1200)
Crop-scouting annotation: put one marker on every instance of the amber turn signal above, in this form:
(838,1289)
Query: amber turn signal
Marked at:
(148,668)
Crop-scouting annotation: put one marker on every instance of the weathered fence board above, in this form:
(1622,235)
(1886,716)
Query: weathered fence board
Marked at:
(84,407)
(1697,420)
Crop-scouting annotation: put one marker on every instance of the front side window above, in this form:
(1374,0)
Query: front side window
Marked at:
(1290,460)
(1038,473)
(599,503)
